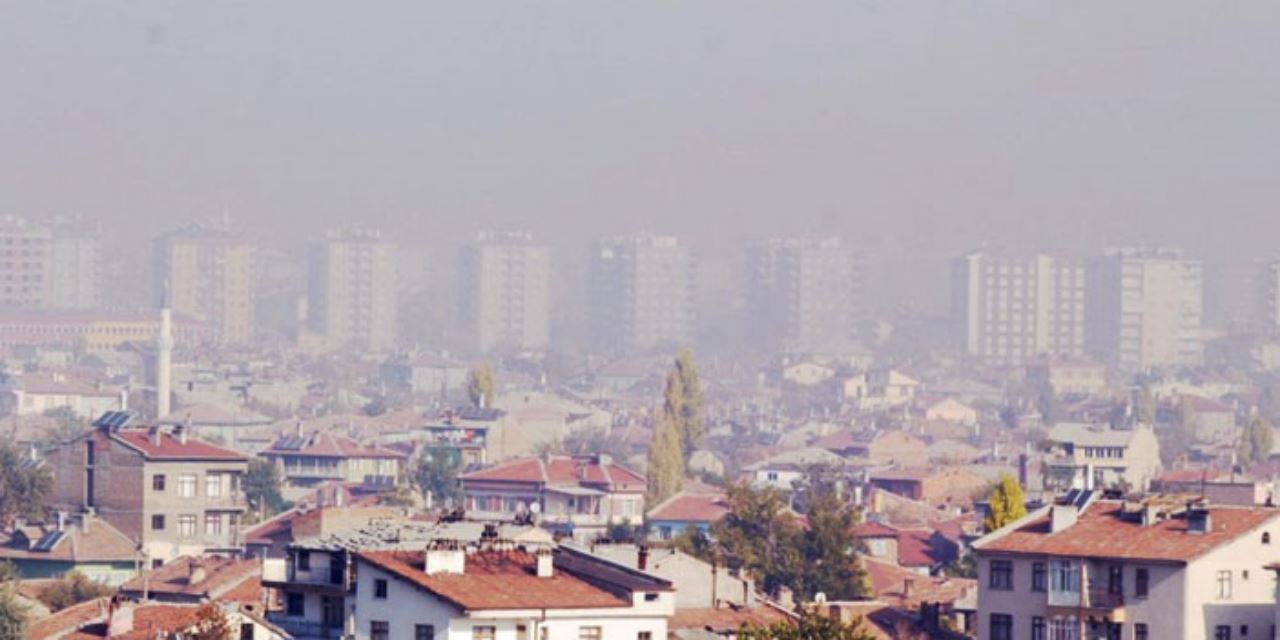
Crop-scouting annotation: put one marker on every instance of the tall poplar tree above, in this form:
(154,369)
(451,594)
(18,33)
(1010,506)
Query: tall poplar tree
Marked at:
(666,464)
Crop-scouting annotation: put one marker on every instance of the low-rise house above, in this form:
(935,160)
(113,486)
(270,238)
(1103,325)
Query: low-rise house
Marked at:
(235,427)
(1068,376)
(1217,486)
(189,580)
(424,373)
(691,509)
(578,496)
(80,542)
(103,618)
(877,446)
(882,389)
(1086,456)
(1107,569)
(787,470)
(172,493)
(502,591)
(306,461)
(1213,421)
(32,395)
(951,410)
(940,487)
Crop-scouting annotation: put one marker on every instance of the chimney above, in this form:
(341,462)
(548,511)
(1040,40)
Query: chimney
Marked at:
(1198,519)
(124,400)
(164,357)
(1062,517)
(907,584)
(546,567)
(195,572)
(297,428)
(62,520)
(642,559)
(180,432)
(154,433)
(445,556)
(1023,469)
(86,520)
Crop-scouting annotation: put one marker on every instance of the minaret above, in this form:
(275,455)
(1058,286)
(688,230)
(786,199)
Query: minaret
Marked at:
(164,352)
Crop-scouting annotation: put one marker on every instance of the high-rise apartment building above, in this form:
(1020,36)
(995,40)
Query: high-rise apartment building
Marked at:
(24,263)
(353,290)
(75,268)
(506,292)
(641,293)
(1008,308)
(1270,296)
(804,295)
(208,274)
(1145,308)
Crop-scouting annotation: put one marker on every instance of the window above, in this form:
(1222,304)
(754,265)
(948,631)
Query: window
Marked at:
(380,589)
(1222,632)
(379,630)
(157,482)
(485,633)
(1266,537)
(1001,626)
(1244,631)
(295,605)
(304,560)
(1224,587)
(644,635)
(1141,583)
(187,526)
(246,631)
(1001,575)
(1067,628)
(213,485)
(1039,577)
(522,632)
(187,486)
(212,524)
(1037,628)
(1140,632)
(1115,579)
(157,523)
(589,633)
(424,632)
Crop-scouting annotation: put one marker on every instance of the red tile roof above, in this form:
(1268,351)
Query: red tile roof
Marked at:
(221,575)
(1100,532)
(890,583)
(562,470)
(497,580)
(103,542)
(327,445)
(691,507)
(727,619)
(874,530)
(69,619)
(171,448)
(915,549)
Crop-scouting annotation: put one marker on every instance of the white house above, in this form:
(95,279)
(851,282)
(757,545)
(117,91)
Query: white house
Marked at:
(498,591)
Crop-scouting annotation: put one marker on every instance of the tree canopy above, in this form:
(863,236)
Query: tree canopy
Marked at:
(1255,442)
(262,489)
(684,402)
(665,470)
(480,385)
(436,474)
(24,488)
(810,626)
(1006,503)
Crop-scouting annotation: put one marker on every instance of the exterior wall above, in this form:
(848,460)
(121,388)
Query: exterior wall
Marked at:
(352,291)
(85,406)
(228,508)
(507,292)
(209,275)
(112,574)
(1253,598)
(1146,309)
(1008,309)
(804,294)
(642,293)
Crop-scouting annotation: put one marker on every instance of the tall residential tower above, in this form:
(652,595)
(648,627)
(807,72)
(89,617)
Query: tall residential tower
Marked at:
(1145,308)
(804,295)
(506,292)
(208,274)
(642,289)
(353,290)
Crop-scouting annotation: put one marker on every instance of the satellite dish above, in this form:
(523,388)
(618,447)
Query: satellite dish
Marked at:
(820,597)
(535,508)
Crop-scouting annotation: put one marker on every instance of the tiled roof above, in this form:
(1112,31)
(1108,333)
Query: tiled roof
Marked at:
(497,580)
(874,530)
(69,619)
(726,619)
(327,445)
(890,583)
(691,507)
(102,542)
(171,448)
(915,549)
(1100,532)
(221,575)
(562,470)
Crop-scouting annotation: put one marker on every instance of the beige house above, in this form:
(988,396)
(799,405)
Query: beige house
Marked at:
(1120,571)
(951,410)
(306,461)
(1086,456)
(1068,376)
(173,494)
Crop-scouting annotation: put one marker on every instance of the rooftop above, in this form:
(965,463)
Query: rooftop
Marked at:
(164,446)
(562,470)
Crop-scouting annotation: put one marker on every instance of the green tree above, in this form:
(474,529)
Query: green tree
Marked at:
(67,425)
(1256,442)
(8,572)
(1146,405)
(810,626)
(13,614)
(760,535)
(1049,406)
(72,589)
(436,474)
(831,563)
(1006,503)
(684,401)
(24,488)
(666,465)
(480,385)
(262,489)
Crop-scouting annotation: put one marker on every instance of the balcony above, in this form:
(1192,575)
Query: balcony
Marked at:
(304,629)
(1094,602)
(280,572)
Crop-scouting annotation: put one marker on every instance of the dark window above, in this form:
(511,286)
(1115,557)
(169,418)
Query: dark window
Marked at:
(246,631)
(1037,628)
(650,597)
(380,589)
(90,453)
(424,632)
(157,482)
(295,605)
(379,630)
(1001,626)
(1244,631)
(644,635)
(304,560)
(1115,579)
(1222,632)
(1001,575)
(1141,583)
(1140,632)
(1266,537)
(1039,577)
(157,523)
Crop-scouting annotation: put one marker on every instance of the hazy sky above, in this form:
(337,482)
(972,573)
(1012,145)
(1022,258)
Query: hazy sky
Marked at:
(904,124)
